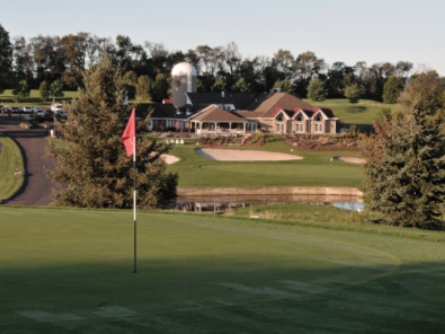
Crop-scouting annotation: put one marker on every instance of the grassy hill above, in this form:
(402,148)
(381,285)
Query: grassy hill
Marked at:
(69,271)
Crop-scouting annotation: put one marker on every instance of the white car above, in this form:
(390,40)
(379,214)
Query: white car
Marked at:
(25,109)
(56,107)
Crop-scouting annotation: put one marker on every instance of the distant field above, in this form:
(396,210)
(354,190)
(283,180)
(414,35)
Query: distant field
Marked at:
(314,170)
(362,114)
(69,271)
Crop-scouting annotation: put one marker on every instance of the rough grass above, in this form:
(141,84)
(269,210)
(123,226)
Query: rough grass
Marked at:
(11,160)
(69,271)
(314,170)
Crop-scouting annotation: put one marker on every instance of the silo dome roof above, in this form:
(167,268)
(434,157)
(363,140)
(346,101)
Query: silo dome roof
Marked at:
(184,68)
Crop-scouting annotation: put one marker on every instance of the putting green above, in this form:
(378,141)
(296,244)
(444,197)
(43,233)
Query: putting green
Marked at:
(70,270)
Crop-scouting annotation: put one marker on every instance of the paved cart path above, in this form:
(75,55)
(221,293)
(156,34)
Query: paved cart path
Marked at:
(37,188)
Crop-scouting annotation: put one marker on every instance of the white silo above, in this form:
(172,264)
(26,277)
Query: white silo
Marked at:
(184,78)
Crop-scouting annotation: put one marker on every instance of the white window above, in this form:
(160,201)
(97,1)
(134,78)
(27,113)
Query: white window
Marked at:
(299,127)
(318,127)
(280,128)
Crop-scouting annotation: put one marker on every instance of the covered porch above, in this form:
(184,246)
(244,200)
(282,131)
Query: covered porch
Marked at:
(222,129)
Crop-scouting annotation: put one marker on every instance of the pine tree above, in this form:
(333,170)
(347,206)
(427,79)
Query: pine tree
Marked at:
(316,91)
(93,164)
(406,167)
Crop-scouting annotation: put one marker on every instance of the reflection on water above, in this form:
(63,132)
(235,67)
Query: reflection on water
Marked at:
(228,202)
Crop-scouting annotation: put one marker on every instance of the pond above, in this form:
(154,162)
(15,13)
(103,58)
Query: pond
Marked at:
(229,202)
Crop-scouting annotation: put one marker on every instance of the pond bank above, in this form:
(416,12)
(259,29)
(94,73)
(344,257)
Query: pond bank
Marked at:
(338,191)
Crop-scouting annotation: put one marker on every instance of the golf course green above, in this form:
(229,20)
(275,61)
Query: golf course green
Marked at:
(70,271)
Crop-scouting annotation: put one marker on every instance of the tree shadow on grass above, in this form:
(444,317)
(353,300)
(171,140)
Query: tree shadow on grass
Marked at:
(356,109)
(223,295)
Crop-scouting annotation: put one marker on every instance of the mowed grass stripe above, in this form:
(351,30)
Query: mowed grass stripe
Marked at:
(11,160)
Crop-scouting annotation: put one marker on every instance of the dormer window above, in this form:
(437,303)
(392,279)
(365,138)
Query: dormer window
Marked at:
(279,118)
(299,117)
(318,117)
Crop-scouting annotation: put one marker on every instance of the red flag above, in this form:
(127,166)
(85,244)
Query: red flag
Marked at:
(129,136)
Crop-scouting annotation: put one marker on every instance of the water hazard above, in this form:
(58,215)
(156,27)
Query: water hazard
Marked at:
(229,202)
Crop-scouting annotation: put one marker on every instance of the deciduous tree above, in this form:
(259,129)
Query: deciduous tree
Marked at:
(21,91)
(44,91)
(316,91)
(392,89)
(352,93)
(56,89)
(5,58)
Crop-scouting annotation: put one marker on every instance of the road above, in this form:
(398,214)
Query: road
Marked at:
(37,188)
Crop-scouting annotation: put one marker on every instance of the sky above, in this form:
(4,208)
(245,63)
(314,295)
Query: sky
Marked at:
(335,30)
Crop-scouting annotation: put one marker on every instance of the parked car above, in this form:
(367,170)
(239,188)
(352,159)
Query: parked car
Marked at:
(35,110)
(4,109)
(56,107)
(25,109)
(61,113)
(14,109)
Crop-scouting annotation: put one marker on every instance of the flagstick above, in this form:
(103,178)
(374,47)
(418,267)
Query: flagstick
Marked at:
(134,203)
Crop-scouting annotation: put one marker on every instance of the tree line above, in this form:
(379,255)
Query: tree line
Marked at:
(58,61)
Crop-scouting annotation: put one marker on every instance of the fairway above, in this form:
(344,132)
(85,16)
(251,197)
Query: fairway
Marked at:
(70,271)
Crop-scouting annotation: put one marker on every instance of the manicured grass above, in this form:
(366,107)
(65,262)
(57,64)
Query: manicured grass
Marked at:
(314,170)
(34,98)
(361,114)
(69,271)
(11,160)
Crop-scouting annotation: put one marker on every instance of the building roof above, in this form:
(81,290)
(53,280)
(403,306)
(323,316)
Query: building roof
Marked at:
(214,113)
(268,104)
(239,100)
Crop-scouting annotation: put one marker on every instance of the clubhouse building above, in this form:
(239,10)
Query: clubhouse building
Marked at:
(234,114)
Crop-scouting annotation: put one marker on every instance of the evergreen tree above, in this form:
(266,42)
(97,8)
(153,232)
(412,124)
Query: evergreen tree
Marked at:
(316,91)
(392,89)
(44,91)
(406,169)
(93,165)
(352,93)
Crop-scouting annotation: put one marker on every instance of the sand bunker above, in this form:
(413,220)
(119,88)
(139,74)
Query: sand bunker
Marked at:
(352,160)
(169,159)
(241,155)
